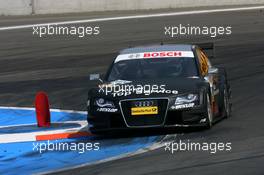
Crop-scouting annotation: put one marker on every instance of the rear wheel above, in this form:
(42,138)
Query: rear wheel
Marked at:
(227,105)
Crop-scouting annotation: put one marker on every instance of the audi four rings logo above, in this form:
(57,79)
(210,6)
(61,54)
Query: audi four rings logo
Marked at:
(144,103)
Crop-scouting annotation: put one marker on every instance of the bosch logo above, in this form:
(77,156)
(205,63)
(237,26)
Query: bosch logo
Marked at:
(162,54)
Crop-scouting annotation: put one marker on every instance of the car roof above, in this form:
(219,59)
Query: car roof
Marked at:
(157,48)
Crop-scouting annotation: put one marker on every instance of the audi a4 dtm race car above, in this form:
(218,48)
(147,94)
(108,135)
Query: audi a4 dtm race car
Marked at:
(158,87)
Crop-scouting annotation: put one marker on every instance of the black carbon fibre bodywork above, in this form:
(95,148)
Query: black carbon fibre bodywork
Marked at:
(168,114)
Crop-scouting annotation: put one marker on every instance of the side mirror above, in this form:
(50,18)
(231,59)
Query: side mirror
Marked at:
(95,77)
(213,70)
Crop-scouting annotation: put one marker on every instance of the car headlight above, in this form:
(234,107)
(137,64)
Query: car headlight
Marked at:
(104,103)
(189,98)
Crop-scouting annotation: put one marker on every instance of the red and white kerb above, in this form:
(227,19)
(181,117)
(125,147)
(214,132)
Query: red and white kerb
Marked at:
(162,54)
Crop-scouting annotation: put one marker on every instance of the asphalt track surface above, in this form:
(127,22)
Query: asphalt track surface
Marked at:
(60,65)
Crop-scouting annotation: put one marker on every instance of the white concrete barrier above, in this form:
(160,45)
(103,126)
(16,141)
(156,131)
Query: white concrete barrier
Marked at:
(65,6)
(14,7)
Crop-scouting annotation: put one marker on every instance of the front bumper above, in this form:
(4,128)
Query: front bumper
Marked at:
(103,121)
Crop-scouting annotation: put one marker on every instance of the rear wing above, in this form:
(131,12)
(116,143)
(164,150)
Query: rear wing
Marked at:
(208,48)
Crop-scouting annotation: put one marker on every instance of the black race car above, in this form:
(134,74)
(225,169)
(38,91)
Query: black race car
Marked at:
(157,87)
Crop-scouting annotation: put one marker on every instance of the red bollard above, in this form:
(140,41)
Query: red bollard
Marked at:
(42,109)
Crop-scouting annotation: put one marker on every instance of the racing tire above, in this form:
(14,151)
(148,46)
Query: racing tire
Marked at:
(208,113)
(227,105)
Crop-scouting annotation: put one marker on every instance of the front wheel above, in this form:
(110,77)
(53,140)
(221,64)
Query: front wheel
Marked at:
(208,113)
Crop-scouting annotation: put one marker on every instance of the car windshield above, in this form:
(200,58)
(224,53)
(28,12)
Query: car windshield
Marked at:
(157,68)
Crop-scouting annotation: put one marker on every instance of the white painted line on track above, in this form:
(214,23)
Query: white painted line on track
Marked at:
(52,110)
(30,124)
(31,136)
(133,17)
